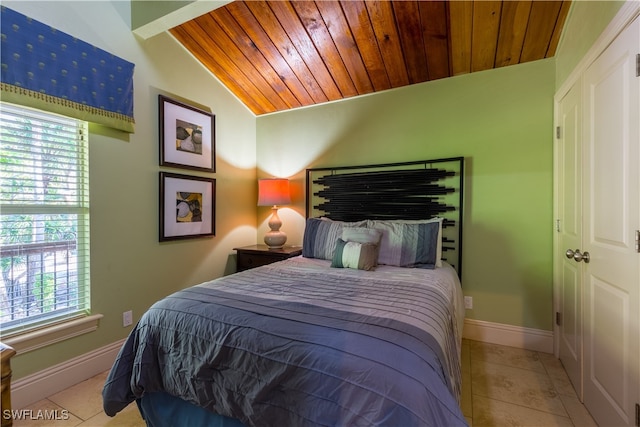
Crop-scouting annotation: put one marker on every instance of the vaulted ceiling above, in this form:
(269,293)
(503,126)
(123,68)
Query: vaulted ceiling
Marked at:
(278,55)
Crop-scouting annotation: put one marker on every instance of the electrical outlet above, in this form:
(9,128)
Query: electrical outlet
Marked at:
(468,303)
(127,318)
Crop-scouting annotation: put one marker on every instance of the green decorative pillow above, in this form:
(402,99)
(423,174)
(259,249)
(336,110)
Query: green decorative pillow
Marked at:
(360,256)
(321,235)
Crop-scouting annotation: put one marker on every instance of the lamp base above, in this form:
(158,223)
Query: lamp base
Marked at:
(275,239)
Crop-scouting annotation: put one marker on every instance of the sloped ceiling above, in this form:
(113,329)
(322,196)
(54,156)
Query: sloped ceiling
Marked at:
(279,55)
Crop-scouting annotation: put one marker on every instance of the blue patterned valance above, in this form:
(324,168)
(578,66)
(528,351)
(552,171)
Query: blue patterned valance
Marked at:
(48,69)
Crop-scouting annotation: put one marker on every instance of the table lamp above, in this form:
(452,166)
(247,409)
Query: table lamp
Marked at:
(273,192)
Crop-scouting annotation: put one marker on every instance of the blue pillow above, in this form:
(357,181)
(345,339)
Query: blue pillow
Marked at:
(321,236)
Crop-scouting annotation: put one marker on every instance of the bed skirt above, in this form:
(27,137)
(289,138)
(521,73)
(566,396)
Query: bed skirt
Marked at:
(161,409)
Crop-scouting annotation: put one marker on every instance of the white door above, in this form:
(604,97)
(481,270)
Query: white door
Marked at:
(569,227)
(611,217)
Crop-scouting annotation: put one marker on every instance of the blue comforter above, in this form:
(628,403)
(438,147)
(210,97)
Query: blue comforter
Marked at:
(289,345)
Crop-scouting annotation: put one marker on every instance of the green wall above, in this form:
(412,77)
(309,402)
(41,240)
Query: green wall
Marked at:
(499,120)
(146,11)
(149,18)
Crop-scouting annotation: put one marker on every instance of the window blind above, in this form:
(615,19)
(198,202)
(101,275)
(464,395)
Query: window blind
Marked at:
(44,218)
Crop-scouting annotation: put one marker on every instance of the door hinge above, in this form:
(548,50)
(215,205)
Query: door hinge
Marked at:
(558,318)
(557,225)
(638,241)
(637,415)
(637,64)
(557,132)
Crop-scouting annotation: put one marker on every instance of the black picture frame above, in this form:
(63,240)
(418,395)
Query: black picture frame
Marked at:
(187,136)
(187,206)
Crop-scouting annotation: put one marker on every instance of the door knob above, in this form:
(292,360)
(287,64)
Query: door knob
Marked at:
(569,253)
(582,256)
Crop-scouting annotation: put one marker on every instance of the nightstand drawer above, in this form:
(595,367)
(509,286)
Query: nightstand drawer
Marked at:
(246,261)
(257,255)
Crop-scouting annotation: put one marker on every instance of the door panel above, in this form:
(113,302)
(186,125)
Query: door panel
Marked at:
(611,206)
(571,329)
(609,344)
(569,153)
(608,151)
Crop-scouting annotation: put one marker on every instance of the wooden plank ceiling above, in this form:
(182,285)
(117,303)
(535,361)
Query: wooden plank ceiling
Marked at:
(278,55)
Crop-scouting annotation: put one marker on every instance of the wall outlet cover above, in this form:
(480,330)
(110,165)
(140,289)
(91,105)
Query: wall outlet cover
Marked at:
(127,318)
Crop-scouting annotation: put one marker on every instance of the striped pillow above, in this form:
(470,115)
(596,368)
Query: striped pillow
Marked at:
(410,243)
(360,256)
(361,235)
(321,236)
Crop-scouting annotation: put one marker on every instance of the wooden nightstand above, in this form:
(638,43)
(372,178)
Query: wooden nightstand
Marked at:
(257,255)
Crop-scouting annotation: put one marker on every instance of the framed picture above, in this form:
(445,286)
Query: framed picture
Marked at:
(187,206)
(187,136)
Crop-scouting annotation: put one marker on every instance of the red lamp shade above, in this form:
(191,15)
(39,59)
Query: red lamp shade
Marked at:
(273,191)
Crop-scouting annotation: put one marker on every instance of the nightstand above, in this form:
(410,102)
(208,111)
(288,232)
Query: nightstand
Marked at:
(257,255)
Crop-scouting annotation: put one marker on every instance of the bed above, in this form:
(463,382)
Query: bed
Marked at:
(363,329)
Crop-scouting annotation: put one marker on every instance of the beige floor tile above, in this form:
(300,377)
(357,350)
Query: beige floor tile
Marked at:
(519,386)
(466,397)
(563,385)
(128,417)
(492,413)
(44,413)
(552,364)
(577,411)
(508,356)
(465,356)
(84,399)
(558,375)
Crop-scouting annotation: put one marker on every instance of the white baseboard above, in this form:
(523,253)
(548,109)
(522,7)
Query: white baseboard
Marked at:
(38,386)
(512,336)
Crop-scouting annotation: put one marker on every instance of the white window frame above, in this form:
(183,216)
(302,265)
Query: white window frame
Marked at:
(54,318)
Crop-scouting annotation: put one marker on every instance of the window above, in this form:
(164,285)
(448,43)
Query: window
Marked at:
(44,219)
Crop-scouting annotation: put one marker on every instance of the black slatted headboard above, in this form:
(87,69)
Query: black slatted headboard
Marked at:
(411,190)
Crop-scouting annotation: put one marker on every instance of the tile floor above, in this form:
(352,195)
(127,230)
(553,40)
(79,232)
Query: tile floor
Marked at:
(502,386)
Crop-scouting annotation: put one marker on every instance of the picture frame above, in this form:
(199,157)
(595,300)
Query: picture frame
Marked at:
(187,136)
(187,206)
